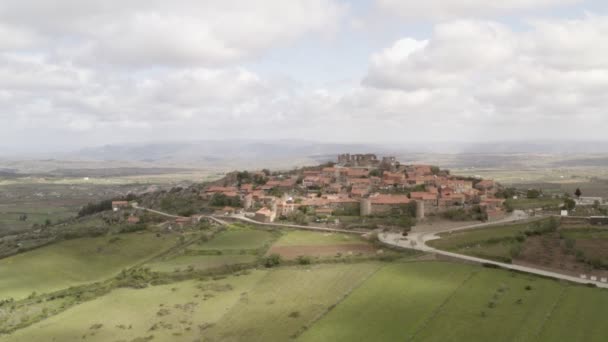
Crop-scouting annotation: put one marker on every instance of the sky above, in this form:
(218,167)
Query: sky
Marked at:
(75,73)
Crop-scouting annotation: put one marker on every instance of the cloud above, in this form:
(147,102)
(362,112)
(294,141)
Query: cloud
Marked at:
(186,32)
(100,74)
(485,74)
(451,9)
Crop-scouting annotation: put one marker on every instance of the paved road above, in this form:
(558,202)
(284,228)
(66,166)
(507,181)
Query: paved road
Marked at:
(418,240)
(297,226)
(219,221)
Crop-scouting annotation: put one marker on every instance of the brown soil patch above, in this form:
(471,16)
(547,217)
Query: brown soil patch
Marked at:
(549,252)
(292,252)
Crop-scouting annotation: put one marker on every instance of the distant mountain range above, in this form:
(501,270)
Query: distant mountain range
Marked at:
(291,153)
(213,150)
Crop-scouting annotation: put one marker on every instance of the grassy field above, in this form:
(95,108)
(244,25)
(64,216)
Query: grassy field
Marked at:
(75,262)
(308,238)
(175,312)
(199,262)
(37,213)
(237,238)
(533,203)
(260,305)
(594,233)
(287,300)
(436,301)
(491,243)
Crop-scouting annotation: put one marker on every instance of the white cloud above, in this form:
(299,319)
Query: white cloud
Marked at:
(470,79)
(185,32)
(450,9)
(487,74)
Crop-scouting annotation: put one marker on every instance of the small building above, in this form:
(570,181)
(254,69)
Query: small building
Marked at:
(117,205)
(265,215)
(133,220)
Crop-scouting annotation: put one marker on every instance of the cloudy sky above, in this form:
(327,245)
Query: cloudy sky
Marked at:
(79,73)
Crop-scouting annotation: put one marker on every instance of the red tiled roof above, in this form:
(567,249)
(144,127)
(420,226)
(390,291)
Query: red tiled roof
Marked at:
(424,196)
(390,199)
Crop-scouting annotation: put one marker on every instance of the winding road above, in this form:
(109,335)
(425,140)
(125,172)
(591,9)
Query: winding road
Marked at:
(417,240)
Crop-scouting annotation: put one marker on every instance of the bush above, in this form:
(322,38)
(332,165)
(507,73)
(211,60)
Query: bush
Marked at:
(93,208)
(304,260)
(221,200)
(272,260)
(533,193)
(515,251)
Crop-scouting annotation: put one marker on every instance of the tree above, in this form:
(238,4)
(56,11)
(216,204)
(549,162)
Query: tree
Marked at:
(578,193)
(569,204)
(533,193)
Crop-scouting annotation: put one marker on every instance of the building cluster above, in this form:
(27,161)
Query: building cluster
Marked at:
(365,185)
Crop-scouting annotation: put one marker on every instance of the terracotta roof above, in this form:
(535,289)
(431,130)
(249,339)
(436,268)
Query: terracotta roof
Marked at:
(390,199)
(212,189)
(424,196)
(264,211)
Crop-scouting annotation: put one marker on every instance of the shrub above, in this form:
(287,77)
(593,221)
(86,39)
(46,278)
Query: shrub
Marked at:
(272,260)
(304,260)
(515,250)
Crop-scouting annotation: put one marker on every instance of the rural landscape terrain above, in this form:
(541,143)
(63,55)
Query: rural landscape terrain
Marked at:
(141,253)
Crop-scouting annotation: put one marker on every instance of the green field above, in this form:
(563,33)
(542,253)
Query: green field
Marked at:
(494,242)
(237,238)
(258,306)
(77,261)
(594,233)
(309,238)
(36,214)
(199,262)
(174,312)
(435,301)
(533,203)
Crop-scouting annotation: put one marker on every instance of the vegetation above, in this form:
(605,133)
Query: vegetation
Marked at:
(429,301)
(476,213)
(309,238)
(93,208)
(501,243)
(77,261)
(221,200)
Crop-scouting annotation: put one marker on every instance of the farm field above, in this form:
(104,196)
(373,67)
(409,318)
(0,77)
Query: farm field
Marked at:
(199,262)
(76,261)
(317,244)
(309,238)
(174,312)
(493,242)
(533,203)
(259,305)
(437,301)
(237,238)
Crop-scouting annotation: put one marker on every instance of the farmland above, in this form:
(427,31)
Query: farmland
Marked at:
(493,242)
(429,301)
(319,245)
(256,306)
(76,261)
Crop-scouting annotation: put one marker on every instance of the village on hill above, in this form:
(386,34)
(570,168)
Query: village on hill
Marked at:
(357,184)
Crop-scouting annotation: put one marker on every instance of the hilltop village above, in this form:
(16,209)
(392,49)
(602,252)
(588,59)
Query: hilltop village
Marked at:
(357,184)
